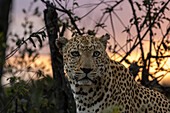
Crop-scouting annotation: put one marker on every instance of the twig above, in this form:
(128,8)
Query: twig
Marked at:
(52,6)
(119,19)
(100,21)
(150,42)
(19,46)
(91,10)
(160,56)
(111,9)
(64,11)
(71,18)
(137,28)
(121,47)
(113,30)
(163,40)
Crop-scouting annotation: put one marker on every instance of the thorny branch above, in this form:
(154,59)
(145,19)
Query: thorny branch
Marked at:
(144,72)
(156,16)
(65,11)
(137,28)
(150,43)
(91,10)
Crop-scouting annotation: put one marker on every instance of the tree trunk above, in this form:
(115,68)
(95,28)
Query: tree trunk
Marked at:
(4,12)
(5,6)
(64,97)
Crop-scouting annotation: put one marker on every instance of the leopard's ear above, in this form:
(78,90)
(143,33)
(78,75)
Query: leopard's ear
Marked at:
(60,43)
(104,39)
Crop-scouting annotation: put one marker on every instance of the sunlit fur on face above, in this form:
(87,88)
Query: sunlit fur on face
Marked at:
(84,53)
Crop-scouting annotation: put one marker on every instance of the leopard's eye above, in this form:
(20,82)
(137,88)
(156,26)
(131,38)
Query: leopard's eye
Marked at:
(96,54)
(75,53)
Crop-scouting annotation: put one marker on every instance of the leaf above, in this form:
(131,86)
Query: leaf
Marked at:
(30,26)
(16,35)
(23,25)
(168,48)
(168,19)
(126,30)
(36,55)
(32,41)
(102,25)
(110,48)
(43,35)
(127,61)
(129,40)
(131,20)
(12,80)
(39,73)
(115,47)
(155,9)
(159,25)
(23,40)
(138,5)
(161,53)
(91,32)
(76,18)
(13,40)
(30,52)
(76,4)
(162,2)
(28,68)
(39,40)
(18,43)
(36,11)
(167,41)
(167,8)
(25,32)
(38,37)
(23,10)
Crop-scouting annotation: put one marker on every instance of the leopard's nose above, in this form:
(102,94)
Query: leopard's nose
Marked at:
(86,70)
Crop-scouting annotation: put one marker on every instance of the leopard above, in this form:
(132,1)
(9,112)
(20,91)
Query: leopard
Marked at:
(98,82)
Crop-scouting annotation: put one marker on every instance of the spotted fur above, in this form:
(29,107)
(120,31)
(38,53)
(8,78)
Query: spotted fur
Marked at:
(97,82)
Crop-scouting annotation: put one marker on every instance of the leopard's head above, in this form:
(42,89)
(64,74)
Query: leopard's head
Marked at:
(84,58)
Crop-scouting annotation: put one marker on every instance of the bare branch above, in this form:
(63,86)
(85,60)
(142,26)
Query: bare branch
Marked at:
(71,18)
(65,11)
(112,8)
(160,56)
(91,10)
(150,42)
(113,30)
(156,16)
(137,28)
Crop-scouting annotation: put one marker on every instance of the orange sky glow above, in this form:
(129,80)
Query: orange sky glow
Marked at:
(45,60)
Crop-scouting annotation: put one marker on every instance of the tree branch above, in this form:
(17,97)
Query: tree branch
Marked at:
(150,42)
(156,16)
(64,11)
(111,9)
(137,28)
(71,18)
(160,56)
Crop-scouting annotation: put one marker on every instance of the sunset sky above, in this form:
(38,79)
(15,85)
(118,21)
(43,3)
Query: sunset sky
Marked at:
(123,11)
